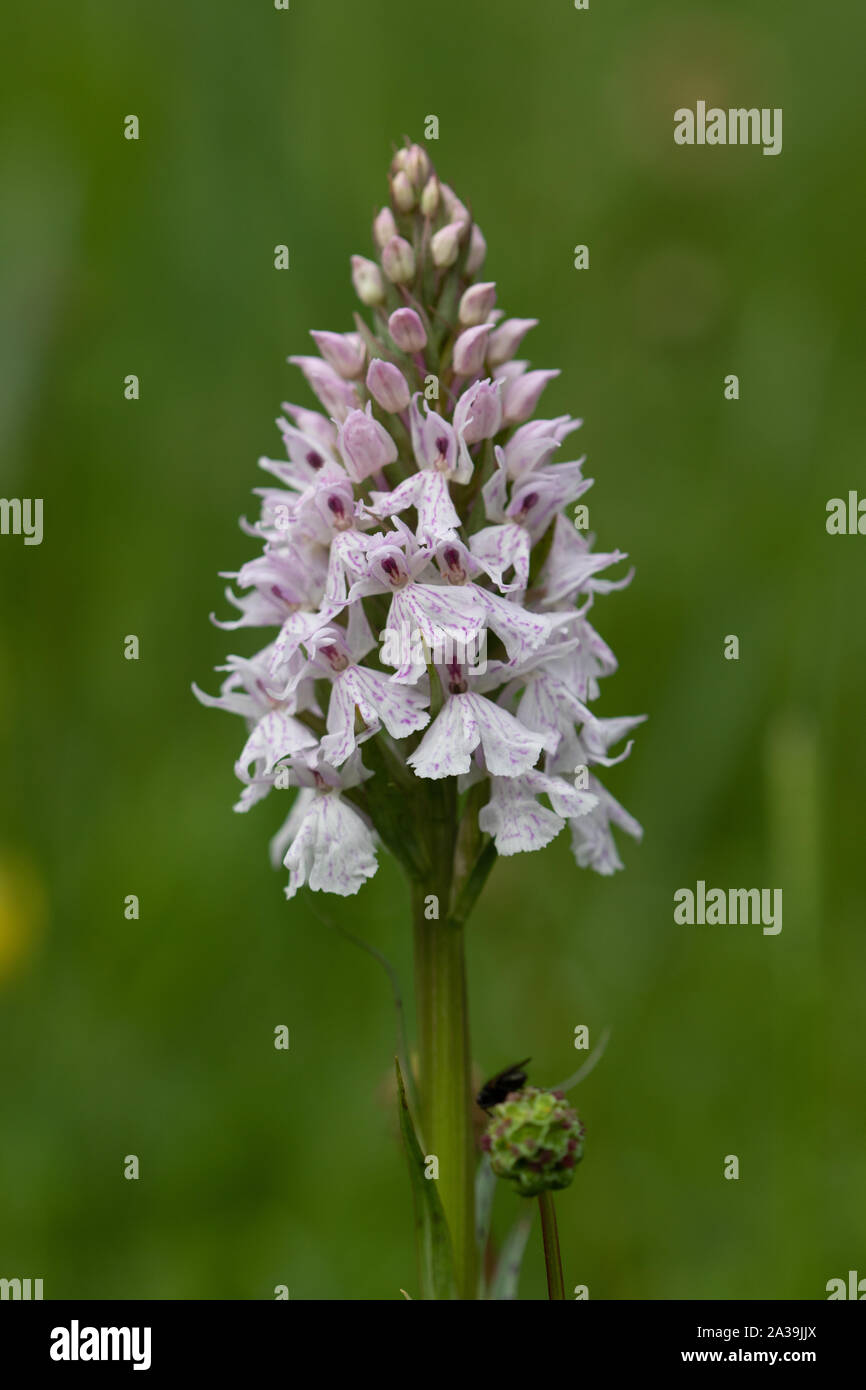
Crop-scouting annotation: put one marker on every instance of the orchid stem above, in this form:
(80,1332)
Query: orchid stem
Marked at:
(445,1080)
(552,1258)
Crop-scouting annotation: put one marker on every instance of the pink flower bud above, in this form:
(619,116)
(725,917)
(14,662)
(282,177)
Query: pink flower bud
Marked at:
(506,339)
(469,350)
(364,444)
(368,282)
(477,304)
(384,228)
(457,211)
(522,395)
(398,261)
(430,197)
(345,352)
(310,422)
(478,413)
(407,330)
(388,386)
(477,251)
(335,394)
(418,166)
(414,163)
(402,192)
(445,244)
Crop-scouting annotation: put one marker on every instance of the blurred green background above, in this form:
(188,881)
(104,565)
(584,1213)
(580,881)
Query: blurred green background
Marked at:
(155,1037)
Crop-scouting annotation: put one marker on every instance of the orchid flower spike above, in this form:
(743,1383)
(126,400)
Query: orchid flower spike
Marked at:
(424,589)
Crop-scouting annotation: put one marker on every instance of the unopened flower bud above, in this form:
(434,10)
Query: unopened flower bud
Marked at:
(388,386)
(345,352)
(412,161)
(477,251)
(365,445)
(335,394)
(506,339)
(368,282)
(407,330)
(402,192)
(457,211)
(522,395)
(398,261)
(417,166)
(478,413)
(445,244)
(477,303)
(310,422)
(535,1140)
(384,228)
(430,197)
(469,350)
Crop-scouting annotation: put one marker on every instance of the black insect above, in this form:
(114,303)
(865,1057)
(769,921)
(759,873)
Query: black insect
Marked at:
(502,1084)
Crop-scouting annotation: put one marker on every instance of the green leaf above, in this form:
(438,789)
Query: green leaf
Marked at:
(507,1276)
(591,1062)
(470,889)
(435,1257)
(485,1188)
(390,971)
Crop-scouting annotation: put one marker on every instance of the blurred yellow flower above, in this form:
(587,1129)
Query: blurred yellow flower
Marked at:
(22,911)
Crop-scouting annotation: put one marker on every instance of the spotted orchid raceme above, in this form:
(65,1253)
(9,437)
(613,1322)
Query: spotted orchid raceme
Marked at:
(429,664)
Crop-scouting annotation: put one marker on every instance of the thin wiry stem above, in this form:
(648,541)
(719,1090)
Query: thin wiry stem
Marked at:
(552,1257)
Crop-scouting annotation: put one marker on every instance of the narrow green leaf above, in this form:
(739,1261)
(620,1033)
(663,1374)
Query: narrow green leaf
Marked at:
(390,971)
(485,1188)
(591,1062)
(507,1276)
(471,888)
(435,1257)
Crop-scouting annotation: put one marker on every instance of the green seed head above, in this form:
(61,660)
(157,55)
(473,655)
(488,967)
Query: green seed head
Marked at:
(535,1139)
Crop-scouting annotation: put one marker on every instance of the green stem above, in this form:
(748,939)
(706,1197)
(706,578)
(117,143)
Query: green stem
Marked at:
(445,1077)
(552,1258)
